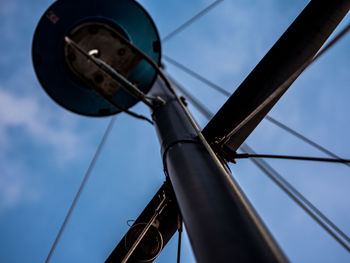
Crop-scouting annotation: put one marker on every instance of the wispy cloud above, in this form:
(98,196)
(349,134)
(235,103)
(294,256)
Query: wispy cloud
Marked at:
(46,130)
(15,187)
(26,113)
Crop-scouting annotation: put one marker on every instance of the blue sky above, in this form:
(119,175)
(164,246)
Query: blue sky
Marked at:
(45,150)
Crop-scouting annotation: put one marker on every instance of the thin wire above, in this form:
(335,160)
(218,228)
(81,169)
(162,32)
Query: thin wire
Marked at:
(190,21)
(269,118)
(289,157)
(81,188)
(204,110)
(285,186)
(131,113)
(298,198)
(303,138)
(197,76)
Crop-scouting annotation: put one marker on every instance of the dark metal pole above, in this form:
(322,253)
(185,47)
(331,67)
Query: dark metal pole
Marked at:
(221,223)
(271,78)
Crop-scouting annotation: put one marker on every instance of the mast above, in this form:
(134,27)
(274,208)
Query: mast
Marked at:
(221,223)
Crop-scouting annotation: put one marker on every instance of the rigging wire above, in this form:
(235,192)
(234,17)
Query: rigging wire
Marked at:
(300,199)
(81,187)
(303,138)
(269,118)
(131,113)
(190,21)
(197,76)
(289,157)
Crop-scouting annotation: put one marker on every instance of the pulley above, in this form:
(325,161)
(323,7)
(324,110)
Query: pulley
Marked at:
(150,246)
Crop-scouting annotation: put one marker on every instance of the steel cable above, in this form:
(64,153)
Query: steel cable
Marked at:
(290,157)
(190,21)
(303,138)
(298,198)
(81,188)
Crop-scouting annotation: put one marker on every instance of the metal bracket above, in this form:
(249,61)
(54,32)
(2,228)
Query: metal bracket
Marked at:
(91,55)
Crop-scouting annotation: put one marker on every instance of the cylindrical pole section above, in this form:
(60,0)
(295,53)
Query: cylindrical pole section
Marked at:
(221,224)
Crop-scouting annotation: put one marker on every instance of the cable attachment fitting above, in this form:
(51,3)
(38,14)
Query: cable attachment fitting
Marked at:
(224,152)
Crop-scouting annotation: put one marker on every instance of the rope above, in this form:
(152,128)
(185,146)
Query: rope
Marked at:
(303,138)
(301,200)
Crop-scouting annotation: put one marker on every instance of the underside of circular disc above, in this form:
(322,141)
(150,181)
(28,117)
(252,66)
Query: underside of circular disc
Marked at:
(100,28)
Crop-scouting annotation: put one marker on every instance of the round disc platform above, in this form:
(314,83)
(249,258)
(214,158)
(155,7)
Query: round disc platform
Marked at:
(94,25)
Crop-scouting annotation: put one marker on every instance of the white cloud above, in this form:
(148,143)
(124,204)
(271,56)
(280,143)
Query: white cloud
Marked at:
(43,128)
(15,186)
(27,113)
